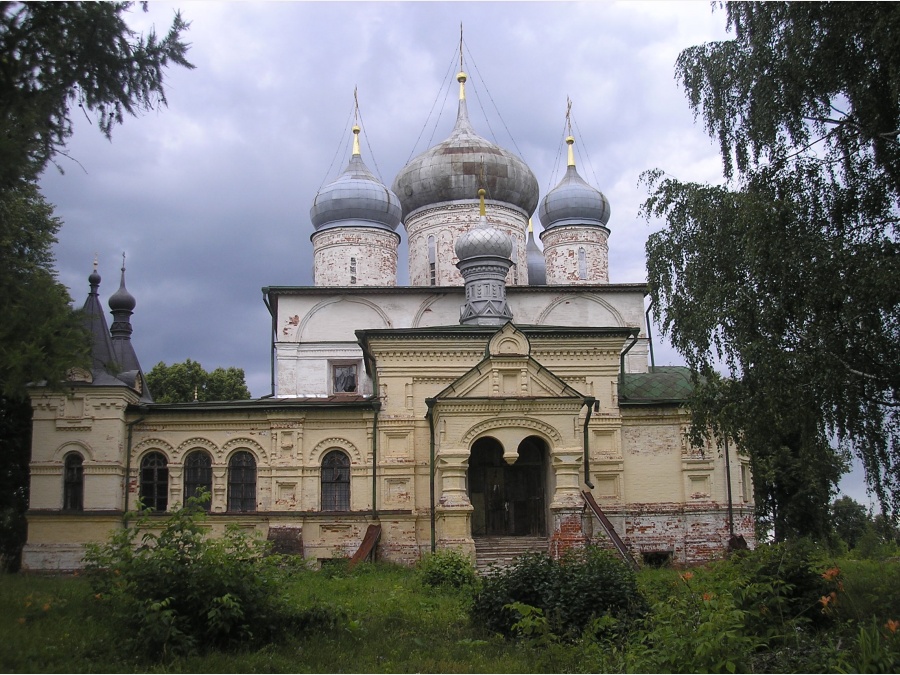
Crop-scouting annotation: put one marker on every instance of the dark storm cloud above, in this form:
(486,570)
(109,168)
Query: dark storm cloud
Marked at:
(210,197)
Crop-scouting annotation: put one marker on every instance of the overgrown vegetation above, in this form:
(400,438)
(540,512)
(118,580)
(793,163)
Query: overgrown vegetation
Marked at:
(785,608)
(447,569)
(179,591)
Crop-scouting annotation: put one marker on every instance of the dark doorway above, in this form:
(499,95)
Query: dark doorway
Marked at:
(508,499)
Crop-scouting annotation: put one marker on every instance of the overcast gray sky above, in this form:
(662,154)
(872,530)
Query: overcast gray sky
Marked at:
(209,197)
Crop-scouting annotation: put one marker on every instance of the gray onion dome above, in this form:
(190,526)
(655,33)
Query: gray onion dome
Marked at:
(573,201)
(356,198)
(454,169)
(483,240)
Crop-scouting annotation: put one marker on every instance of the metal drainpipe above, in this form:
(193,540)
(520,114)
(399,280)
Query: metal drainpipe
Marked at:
(624,352)
(130,426)
(272,349)
(650,336)
(430,402)
(376,408)
(589,402)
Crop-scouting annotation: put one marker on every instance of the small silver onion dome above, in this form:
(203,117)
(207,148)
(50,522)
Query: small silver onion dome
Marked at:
(537,264)
(454,168)
(573,201)
(356,198)
(483,240)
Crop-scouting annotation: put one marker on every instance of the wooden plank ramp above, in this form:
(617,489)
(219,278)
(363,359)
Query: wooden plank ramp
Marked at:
(367,547)
(610,530)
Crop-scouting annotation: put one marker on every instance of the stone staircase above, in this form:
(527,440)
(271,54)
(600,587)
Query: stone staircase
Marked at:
(500,551)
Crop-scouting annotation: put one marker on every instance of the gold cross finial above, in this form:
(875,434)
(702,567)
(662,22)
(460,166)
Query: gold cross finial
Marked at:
(355,129)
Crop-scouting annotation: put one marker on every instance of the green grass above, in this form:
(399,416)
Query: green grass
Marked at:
(390,623)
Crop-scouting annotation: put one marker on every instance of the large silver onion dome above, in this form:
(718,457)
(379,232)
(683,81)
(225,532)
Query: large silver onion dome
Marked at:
(573,201)
(356,198)
(457,167)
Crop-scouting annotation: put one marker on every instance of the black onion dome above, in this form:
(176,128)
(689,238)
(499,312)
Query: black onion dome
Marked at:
(483,240)
(122,300)
(573,201)
(454,169)
(356,198)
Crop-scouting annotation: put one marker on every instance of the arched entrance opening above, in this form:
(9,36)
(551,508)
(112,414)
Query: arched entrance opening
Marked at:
(508,499)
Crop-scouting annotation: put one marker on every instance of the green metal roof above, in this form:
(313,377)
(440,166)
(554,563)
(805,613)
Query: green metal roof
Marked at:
(665,385)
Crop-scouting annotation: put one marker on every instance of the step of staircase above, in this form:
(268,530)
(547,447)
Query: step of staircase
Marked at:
(499,552)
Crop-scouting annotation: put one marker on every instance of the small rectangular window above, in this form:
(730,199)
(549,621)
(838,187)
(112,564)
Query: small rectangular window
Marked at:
(352,271)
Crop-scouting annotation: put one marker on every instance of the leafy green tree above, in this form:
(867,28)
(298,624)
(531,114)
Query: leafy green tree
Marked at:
(41,337)
(787,275)
(65,57)
(179,382)
(55,59)
(851,520)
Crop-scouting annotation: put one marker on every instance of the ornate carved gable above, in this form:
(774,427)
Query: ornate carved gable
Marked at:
(509,371)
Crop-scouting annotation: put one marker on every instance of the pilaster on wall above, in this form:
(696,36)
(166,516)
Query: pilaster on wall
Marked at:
(566,465)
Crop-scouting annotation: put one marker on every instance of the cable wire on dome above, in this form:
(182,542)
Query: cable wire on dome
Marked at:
(340,151)
(551,180)
(369,146)
(586,154)
(446,79)
(488,91)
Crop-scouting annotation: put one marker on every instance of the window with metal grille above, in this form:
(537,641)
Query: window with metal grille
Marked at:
(197,476)
(154,488)
(352,271)
(73,483)
(336,481)
(242,482)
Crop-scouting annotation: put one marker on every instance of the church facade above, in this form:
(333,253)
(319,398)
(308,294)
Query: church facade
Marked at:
(504,396)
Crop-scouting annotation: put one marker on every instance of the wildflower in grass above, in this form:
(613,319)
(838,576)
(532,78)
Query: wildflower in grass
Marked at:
(21,619)
(892,625)
(831,574)
(687,576)
(707,597)
(46,607)
(826,600)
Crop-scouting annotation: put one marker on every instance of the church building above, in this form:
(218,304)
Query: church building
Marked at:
(501,402)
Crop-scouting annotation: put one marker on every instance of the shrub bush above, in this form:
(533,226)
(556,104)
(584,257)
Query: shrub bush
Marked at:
(572,592)
(781,585)
(447,569)
(173,590)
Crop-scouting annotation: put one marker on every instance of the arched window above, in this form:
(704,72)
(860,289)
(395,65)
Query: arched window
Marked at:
(336,481)
(242,482)
(73,483)
(155,481)
(197,475)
